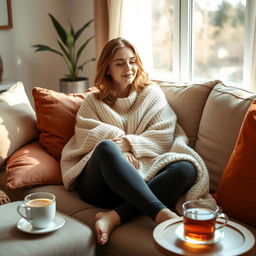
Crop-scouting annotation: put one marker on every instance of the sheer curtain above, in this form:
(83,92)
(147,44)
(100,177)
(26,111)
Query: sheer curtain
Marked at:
(250,48)
(130,19)
(253,67)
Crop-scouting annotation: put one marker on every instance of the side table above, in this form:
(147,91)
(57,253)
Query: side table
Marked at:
(74,238)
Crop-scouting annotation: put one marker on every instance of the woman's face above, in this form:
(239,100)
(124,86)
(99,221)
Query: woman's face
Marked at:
(123,68)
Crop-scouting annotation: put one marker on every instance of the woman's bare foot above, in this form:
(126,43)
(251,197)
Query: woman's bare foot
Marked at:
(105,222)
(165,214)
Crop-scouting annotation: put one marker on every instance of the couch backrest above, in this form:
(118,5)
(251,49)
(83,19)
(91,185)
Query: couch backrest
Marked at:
(222,117)
(188,101)
(211,114)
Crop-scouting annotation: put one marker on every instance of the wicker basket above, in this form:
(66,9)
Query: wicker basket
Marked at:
(4,199)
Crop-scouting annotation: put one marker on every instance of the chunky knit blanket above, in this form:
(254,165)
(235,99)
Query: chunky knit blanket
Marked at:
(147,121)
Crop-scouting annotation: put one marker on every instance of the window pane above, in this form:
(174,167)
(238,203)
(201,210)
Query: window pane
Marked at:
(162,34)
(219,30)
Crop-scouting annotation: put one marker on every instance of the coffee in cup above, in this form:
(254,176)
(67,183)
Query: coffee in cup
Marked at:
(39,209)
(201,218)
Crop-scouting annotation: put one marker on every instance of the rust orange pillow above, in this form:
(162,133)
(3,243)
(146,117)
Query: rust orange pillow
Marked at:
(237,188)
(31,166)
(55,112)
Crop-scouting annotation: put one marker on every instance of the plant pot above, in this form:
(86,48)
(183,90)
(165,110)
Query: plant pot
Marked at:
(1,68)
(78,86)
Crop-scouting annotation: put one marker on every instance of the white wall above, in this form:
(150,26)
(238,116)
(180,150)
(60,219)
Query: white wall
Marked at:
(32,25)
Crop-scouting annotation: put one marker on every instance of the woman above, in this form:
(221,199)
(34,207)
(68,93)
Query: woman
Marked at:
(128,154)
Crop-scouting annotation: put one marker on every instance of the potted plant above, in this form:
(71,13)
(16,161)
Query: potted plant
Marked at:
(71,54)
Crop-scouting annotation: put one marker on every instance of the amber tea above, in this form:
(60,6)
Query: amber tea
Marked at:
(199,224)
(201,218)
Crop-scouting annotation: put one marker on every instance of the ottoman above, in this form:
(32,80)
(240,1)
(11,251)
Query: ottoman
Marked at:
(74,238)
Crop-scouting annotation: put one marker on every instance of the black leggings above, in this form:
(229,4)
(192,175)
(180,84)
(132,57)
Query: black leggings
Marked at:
(110,181)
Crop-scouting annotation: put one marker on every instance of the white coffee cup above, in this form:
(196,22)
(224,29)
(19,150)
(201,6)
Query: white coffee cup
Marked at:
(39,209)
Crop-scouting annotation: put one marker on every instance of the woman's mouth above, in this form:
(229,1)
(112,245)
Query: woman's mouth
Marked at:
(128,75)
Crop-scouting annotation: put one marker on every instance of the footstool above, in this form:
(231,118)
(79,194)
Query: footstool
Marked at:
(74,238)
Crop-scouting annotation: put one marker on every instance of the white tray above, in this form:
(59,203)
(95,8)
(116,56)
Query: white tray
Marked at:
(237,240)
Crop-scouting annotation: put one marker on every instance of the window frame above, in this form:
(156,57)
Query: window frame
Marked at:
(183,54)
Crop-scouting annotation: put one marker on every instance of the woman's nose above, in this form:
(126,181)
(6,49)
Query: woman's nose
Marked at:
(127,66)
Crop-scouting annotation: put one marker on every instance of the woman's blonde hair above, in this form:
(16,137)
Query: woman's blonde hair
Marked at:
(103,82)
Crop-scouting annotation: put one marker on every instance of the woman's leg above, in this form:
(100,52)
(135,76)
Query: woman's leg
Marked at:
(168,185)
(108,176)
(173,181)
(109,179)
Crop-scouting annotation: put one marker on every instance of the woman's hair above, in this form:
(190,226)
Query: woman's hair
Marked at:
(103,82)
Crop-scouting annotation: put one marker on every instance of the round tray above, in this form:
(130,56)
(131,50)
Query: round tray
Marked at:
(237,240)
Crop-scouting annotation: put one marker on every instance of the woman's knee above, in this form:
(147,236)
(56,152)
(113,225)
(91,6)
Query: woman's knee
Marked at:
(106,148)
(187,171)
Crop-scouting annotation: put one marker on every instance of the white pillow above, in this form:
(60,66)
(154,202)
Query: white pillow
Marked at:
(17,121)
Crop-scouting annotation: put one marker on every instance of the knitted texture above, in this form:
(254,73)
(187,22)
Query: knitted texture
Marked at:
(4,199)
(147,121)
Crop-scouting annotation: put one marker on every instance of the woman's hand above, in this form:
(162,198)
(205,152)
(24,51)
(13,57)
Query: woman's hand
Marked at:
(132,159)
(123,144)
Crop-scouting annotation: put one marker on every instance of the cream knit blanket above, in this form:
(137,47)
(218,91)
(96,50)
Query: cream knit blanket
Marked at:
(147,121)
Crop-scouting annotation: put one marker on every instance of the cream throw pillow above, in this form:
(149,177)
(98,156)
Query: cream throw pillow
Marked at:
(17,121)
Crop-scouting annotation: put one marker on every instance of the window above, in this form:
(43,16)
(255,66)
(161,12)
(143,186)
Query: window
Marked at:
(198,39)
(162,34)
(219,33)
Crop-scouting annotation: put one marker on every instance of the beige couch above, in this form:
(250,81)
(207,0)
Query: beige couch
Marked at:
(211,115)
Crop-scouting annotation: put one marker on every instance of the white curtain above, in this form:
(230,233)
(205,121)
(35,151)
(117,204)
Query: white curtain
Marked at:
(250,48)
(115,11)
(131,19)
(137,28)
(253,67)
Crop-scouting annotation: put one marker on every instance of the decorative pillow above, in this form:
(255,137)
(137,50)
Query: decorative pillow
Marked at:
(237,189)
(17,121)
(56,113)
(31,166)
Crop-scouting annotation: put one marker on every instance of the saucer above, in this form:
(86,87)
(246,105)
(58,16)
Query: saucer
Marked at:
(236,241)
(218,236)
(26,227)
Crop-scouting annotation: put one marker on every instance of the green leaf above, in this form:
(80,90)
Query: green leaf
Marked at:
(72,30)
(81,66)
(42,47)
(66,53)
(70,40)
(80,50)
(60,30)
(78,33)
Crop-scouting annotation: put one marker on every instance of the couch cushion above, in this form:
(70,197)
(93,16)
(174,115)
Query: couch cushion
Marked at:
(221,120)
(17,121)
(132,238)
(238,181)
(188,100)
(56,114)
(32,166)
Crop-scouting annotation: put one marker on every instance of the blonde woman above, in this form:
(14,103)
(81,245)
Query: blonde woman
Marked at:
(120,156)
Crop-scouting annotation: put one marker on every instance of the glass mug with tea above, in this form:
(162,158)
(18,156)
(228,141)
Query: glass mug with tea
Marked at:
(38,209)
(201,218)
